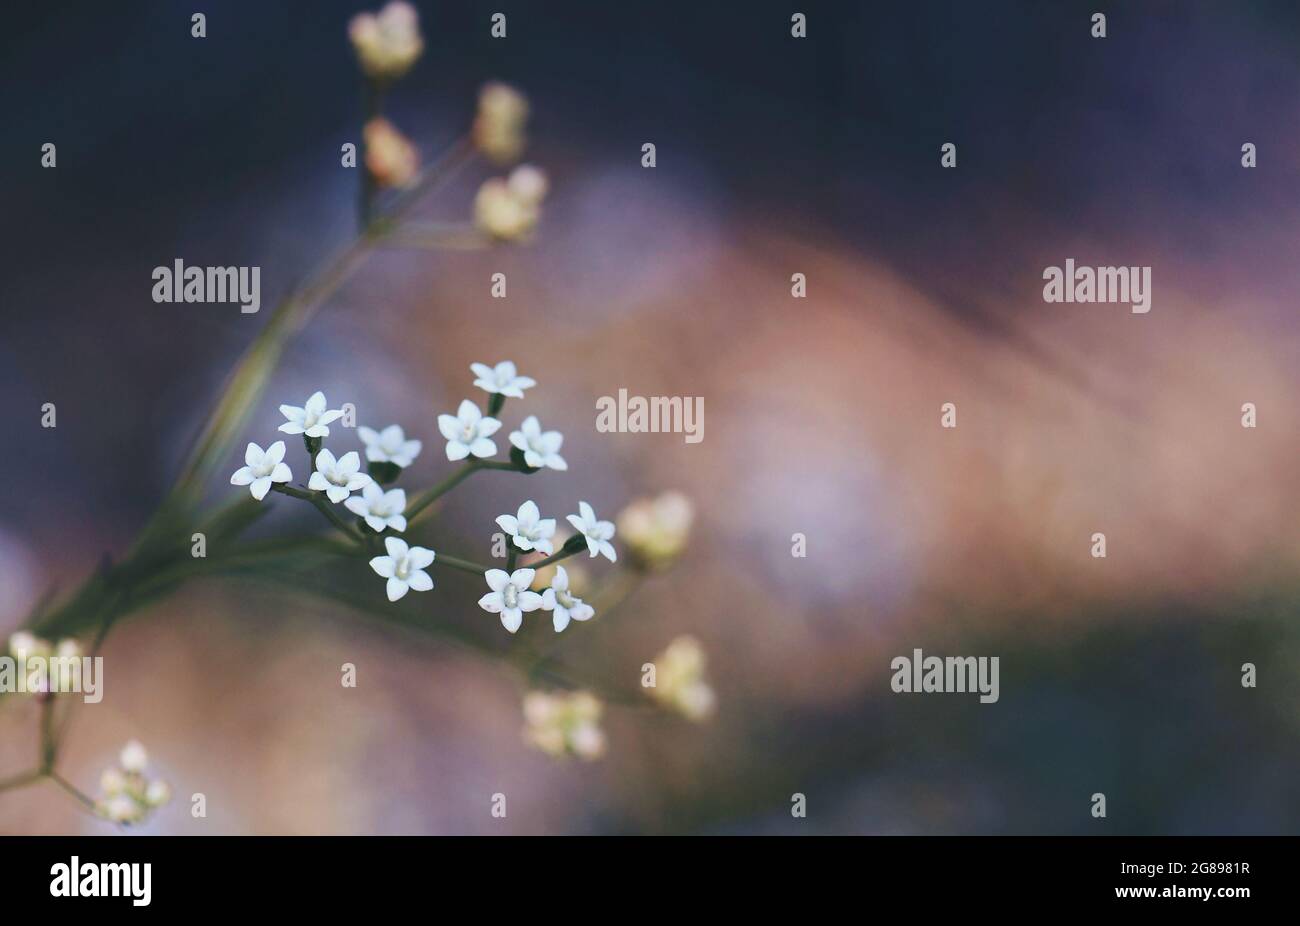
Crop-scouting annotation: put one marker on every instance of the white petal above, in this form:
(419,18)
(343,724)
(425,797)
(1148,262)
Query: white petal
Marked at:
(367,435)
(587,513)
(468,412)
(349,463)
(290,427)
(281,473)
(316,404)
(456,450)
(449,427)
(511,619)
(376,523)
(491,602)
(529,601)
(325,462)
(561,580)
(396,588)
(560,619)
(397,522)
(336,494)
(383,565)
(274,453)
(242,476)
(419,580)
(396,547)
(356,505)
(508,523)
(253,454)
(260,487)
(480,448)
(522,578)
(419,557)
(318,482)
(548,599)
(607,548)
(488,426)
(555,461)
(497,579)
(481,370)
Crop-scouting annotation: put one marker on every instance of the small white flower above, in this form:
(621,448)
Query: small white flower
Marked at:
(133,757)
(680,680)
(403,567)
(510,596)
(467,432)
(598,533)
(563,725)
(541,448)
(112,782)
(564,605)
(380,509)
(389,446)
(157,793)
(312,419)
(120,808)
(262,468)
(387,43)
(498,129)
(23,645)
(338,478)
(529,530)
(503,379)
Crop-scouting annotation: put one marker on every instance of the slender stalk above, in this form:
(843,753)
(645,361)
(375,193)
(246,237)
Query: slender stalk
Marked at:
(555,557)
(429,496)
(72,789)
(323,505)
(464,565)
(21,780)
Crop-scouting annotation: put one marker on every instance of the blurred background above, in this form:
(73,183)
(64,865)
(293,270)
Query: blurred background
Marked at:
(775,156)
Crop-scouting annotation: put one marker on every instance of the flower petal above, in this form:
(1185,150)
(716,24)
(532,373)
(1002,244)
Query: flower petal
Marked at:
(383,566)
(396,588)
(419,580)
(497,579)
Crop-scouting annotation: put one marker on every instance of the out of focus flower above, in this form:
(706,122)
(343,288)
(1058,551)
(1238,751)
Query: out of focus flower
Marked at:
(562,604)
(510,596)
(509,209)
(540,448)
(312,419)
(338,478)
(24,645)
(391,158)
(468,432)
(389,446)
(529,530)
(502,379)
(129,794)
(262,467)
(387,43)
(679,680)
(655,530)
(564,725)
(403,567)
(598,533)
(498,129)
(379,508)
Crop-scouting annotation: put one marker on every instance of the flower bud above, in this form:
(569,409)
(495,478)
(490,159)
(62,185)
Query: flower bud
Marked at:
(390,157)
(387,43)
(655,530)
(498,130)
(134,758)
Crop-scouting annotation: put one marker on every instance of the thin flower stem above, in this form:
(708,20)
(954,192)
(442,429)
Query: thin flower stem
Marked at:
(429,496)
(555,557)
(21,780)
(462,564)
(72,789)
(322,504)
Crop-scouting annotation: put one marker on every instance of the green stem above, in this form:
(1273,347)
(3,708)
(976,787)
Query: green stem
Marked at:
(441,559)
(21,780)
(555,558)
(72,789)
(323,505)
(429,496)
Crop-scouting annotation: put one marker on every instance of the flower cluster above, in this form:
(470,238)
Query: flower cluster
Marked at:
(564,725)
(130,795)
(508,208)
(31,656)
(679,680)
(387,43)
(655,530)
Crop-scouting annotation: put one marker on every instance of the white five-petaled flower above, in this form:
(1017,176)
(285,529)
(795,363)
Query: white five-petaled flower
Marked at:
(529,529)
(503,379)
(380,509)
(312,419)
(338,478)
(262,467)
(387,43)
(510,596)
(564,606)
(403,567)
(598,533)
(540,448)
(389,445)
(468,432)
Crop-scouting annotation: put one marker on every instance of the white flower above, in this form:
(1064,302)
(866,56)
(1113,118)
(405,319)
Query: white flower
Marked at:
(679,679)
(312,419)
(655,530)
(598,533)
(338,478)
(112,782)
(498,129)
(24,645)
(389,446)
(502,379)
(380,509)
(157,793)
(562,725)
(403,567)
(510,596)
(541,448)
(390,157)
(529,530)
(509,209)
(119,808)
(565,606)
(467,432)
(389,42)
(133,757)
(262,468)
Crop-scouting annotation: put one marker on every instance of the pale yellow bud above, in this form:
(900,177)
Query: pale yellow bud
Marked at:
(390,157)
(655,530)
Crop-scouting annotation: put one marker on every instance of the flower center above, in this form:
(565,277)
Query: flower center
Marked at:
(565,599)
(403,568)
(510,595)
(467,433)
